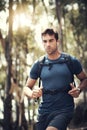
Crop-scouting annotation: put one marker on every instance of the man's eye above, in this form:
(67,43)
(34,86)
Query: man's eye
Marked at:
(51,40)
(44,41)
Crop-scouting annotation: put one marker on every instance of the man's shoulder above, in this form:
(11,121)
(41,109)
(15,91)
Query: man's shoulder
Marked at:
(41,58)
(66,54)
(69,56)
(38,62)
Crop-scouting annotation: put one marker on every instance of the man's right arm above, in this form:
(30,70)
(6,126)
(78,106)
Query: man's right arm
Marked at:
(29,91)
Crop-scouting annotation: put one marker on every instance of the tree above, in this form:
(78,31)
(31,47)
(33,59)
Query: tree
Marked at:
(2,5)
(8,46)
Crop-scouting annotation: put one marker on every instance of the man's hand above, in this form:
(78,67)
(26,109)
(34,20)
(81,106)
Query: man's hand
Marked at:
(37,92)
(74,92)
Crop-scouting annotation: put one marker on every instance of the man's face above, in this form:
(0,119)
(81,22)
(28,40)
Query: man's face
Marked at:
(50,44)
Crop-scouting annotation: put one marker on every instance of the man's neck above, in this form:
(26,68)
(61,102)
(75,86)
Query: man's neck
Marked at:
(54,56)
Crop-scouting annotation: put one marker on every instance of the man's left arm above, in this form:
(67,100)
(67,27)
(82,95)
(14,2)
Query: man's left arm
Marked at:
(83,78)
(75,91)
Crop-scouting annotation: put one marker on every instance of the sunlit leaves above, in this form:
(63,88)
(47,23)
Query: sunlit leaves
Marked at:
(2,5)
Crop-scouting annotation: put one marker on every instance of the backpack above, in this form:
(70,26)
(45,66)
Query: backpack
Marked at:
(66,59)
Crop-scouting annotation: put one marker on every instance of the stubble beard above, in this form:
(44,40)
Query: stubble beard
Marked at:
(51,51)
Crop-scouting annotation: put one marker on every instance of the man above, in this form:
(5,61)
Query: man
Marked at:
(57,91)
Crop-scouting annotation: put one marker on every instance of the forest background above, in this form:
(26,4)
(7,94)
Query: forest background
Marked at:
(21,24)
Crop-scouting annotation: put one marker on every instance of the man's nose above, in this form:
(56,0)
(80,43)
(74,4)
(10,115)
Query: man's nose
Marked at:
(48,43)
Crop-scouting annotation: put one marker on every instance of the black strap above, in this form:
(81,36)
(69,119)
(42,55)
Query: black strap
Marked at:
(53,92)
(41,62)
(69,64)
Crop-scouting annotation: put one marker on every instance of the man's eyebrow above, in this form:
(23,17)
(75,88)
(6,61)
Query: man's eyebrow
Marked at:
(51,39)
(48,40)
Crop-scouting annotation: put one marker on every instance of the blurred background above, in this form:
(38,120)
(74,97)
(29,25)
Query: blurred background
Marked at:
(21,24)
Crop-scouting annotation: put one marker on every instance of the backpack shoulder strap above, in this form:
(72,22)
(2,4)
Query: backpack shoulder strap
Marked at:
(41,62)
(68,61)
(69,64)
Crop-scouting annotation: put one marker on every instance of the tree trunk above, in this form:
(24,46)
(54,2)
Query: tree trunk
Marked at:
(7,102)
(59,16)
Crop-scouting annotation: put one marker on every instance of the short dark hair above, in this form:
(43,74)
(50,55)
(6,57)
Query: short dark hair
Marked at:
(50,32)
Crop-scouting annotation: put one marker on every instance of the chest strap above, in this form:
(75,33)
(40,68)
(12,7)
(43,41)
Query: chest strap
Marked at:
(55,91)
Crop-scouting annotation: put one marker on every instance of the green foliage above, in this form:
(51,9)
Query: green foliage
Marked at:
(2,5)
(79,26)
